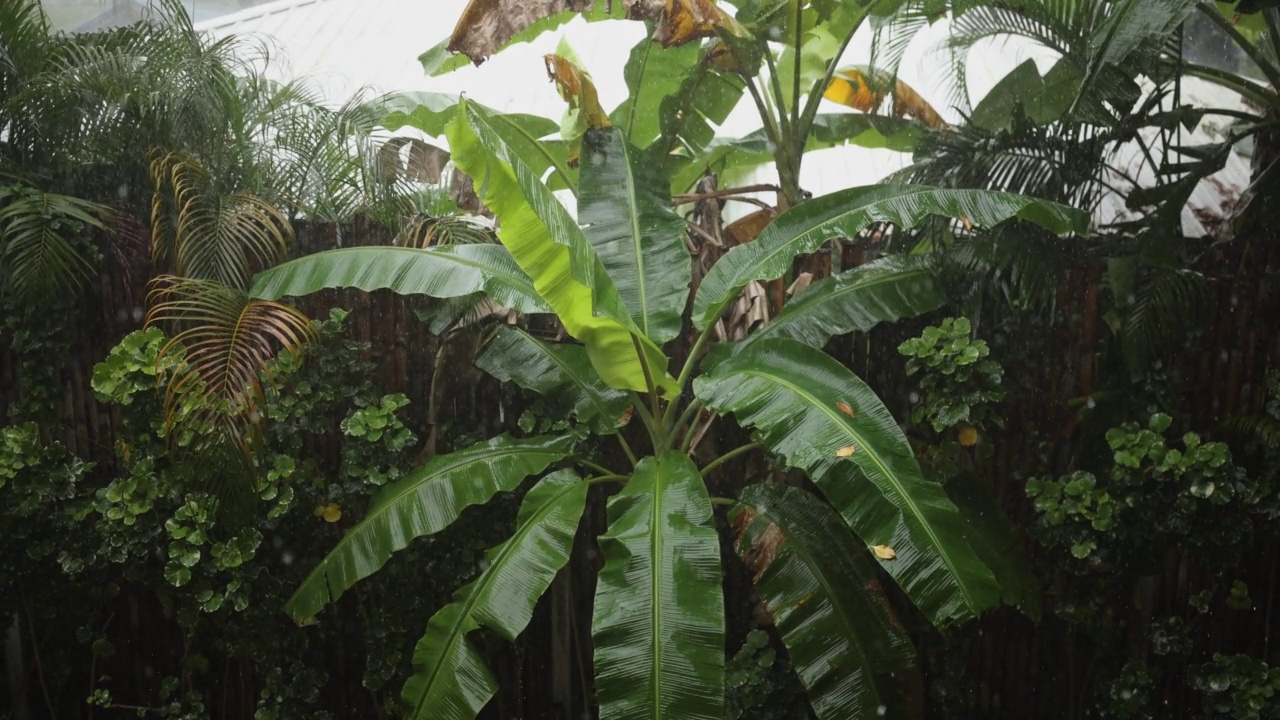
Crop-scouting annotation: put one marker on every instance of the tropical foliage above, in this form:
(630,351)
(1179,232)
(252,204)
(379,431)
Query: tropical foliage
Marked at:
(617,277)
(662,464)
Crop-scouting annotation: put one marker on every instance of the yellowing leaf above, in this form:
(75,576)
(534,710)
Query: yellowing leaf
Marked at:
(845,408)
(968,436)
(625,418)
(331,513)
(577,89)
(486,25)
(858,88)
(845,452)
(681,21)
(884,552)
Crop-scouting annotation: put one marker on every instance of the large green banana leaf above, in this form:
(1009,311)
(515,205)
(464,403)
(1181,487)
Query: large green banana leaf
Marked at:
(441,272)
(624,207)
(652,74)
(560,372)
(806,227)
(821,418)
(550,247)
(450,680)
(826,602)
(659,611)
(426,501)
(689,117)
(892,288)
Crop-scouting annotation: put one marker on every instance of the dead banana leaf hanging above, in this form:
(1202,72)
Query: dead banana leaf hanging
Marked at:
(486,25)
(584,112)
(682,21)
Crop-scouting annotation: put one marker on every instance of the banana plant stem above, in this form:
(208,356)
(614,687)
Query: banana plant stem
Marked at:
(606,478)
(626,448)
(594,466)
(729,456)
(651,424)
(723,501)
(689,412)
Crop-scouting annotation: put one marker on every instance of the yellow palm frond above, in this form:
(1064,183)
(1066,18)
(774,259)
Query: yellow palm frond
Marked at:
(229,341)
(199,232)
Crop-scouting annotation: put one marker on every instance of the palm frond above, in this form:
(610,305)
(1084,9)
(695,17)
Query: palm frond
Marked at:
(1162,306)
(1056,162)
(38,241)
(229,341)
(425,231)
(199,232)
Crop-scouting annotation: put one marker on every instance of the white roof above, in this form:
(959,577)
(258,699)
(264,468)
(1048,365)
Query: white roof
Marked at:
(346,46)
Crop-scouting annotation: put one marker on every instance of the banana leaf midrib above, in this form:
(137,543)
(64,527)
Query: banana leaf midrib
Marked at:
(787,248)
(637,249)
(655,590)
(865,448)
(456,634)
(539,146)
(631,111)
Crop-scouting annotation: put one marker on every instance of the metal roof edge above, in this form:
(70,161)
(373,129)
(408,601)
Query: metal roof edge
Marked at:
(253,13)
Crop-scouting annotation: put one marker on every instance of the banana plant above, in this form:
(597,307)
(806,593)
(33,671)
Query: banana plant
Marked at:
(618,279)
(699,60)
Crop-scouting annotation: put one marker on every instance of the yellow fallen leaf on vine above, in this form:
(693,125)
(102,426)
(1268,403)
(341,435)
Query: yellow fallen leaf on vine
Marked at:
(331,513)
(845,408)
(884,552)
(845,452)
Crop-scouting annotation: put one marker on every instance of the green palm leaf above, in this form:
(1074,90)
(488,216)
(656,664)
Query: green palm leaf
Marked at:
(822,592)
(888,289)
(451,681)
(424,502)
(558,371)
(659,612)
(549,246)
(624,207)
(204,233)
(440,272)
(805,228)
(38,256)
(821,418)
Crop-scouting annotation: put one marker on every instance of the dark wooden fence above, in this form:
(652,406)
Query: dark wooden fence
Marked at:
(1008,666)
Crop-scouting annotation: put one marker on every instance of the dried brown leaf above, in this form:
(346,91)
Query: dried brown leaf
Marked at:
(487,25)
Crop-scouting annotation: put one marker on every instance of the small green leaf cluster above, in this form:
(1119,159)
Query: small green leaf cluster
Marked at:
(379,434)
(1129,696)
(1155,493)
(1238,687)
(38,482)
(956,376)
(760,684)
